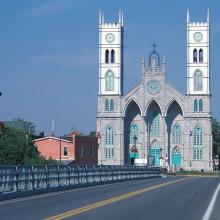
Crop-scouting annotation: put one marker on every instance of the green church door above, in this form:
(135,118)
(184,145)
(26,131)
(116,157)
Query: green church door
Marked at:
(176,157)
(156,153)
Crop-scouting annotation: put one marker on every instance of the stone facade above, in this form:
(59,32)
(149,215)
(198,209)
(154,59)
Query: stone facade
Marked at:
(154,122)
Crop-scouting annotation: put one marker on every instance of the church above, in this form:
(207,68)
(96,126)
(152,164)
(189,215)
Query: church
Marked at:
(154,123)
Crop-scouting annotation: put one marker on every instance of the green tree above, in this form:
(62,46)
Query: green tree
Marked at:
(26,126)
(17,148)
(216,136)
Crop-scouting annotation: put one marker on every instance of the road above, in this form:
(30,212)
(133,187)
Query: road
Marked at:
(174,198)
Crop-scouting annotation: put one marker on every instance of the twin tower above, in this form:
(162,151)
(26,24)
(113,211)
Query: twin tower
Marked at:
(111,57)
(118,112)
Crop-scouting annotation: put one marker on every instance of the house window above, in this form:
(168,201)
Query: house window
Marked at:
(65,151)
(109,143)
(91,151)
(81,151)
(109,81)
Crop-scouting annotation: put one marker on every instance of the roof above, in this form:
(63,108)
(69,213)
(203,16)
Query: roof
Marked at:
(54,138)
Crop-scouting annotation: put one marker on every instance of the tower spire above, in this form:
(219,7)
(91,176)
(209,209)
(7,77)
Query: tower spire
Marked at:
(208,19)
(103,19)
(187,16)
(100,16)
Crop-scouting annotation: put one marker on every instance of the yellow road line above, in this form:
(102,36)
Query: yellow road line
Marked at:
(109,201)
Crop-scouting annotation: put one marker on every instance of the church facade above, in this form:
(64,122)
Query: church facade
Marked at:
(154,123)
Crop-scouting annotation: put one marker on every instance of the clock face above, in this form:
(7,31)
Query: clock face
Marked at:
(110,37)
(198,36)
(153,87)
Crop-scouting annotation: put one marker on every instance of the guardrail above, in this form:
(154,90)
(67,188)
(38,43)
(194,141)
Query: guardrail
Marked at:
(30,178)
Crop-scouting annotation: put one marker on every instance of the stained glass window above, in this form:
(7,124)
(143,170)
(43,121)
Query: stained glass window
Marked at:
(200,105)
(195,105)
(155,125)
(197,141)
(106,105)
(109,81)
(176,134)
(198,78)
(112,107)
(109,143)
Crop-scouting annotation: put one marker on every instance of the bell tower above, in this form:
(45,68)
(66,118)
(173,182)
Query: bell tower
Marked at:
(198,78)
(110,56)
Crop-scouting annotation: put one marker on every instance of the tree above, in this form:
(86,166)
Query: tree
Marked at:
(216,136)
(17,148)
(26,126)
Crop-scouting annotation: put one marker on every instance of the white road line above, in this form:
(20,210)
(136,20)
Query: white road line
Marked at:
(211,204)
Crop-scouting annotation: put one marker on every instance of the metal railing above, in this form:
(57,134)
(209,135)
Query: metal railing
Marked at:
(29,178)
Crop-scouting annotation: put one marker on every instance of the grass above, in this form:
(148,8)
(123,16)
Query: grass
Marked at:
(194,172)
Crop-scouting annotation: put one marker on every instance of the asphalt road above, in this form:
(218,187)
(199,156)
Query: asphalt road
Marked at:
(173,198)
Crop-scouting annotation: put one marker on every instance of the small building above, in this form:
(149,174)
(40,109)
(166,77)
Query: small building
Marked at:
(74,148)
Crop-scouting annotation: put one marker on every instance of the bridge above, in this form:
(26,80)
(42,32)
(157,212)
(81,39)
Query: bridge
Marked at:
(109,192)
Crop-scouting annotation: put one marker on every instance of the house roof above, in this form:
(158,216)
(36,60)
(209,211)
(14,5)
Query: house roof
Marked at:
(54,138)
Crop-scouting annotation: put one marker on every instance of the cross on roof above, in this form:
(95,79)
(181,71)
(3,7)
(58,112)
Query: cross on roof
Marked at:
(154,45)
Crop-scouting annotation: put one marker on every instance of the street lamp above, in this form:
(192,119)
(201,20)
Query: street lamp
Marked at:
(133,150)
(98,136)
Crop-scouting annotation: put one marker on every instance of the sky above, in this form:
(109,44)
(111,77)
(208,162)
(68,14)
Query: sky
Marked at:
(49,54)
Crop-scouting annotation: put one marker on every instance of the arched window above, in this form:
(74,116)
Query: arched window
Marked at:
(106,105)
(134,132)
(109,81)
(195,105)
(112,56)
(201,55)
(195,55)
(198,84)
(176,134)
(155,126)
(197,142)
(112,107)
(107,56)
(109,143)
(200,105)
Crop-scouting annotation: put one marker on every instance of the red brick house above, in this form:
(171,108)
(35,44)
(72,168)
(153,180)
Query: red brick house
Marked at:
(74,148)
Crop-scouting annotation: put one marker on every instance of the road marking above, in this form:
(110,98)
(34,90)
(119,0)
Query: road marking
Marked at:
(191,175)
(109,201)
(61,192)
(211,204)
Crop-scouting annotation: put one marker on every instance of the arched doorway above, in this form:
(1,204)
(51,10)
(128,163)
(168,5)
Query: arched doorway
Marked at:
(176,157)
(154,133)
(175,129)
(155,153)
(132,139)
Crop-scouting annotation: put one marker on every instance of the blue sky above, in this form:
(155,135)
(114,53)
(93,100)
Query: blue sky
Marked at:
(49,54)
